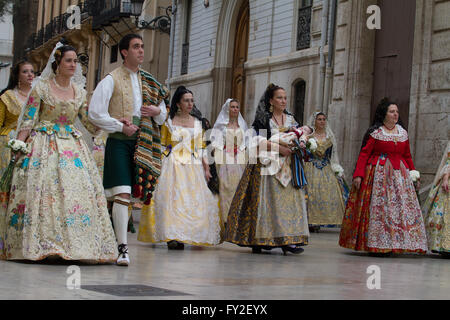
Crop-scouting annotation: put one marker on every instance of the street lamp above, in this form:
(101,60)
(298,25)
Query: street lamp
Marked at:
(136,7)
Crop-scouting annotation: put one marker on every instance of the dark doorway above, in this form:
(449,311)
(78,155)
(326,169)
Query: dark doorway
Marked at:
(393,55)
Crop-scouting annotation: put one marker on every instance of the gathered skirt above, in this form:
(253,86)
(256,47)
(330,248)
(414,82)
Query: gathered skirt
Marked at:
(57,205)
(326,202)
(183,208)
(384,214)
(265,213)
(437,222)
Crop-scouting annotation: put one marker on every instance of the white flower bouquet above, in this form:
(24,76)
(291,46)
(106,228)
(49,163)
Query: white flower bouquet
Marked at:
(414,175)
(18,146)
(337,169)
(311,145)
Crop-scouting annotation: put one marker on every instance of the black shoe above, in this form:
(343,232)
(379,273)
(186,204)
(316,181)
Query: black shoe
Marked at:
(314,229)
(294,250)
(380,254)
(175,245)
(256,249)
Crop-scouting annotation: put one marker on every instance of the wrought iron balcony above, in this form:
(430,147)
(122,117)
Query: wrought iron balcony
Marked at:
(106,12)
(304,28)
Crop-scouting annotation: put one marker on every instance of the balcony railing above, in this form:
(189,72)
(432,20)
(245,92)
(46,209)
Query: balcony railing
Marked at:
(304,28)
(106,12)
(55,27)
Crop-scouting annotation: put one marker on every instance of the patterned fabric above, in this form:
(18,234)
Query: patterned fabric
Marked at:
(98,151)
(230,174)
(10,108)
(326,203)
(264,212)
(436,212)
(183,208)
(57,204)
(148,147)
(384,214)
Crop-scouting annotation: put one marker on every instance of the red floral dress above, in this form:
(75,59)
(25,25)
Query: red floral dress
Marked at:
(384,215)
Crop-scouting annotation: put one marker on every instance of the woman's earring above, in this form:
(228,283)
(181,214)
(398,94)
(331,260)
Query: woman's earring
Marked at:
(179,111)
(271,108)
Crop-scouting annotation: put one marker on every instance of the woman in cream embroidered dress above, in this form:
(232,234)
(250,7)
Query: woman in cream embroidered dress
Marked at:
(11,103)
(57,205)
(183,209)
(267,212)
(228,141)
(436,209)
(326,188)
(383,215)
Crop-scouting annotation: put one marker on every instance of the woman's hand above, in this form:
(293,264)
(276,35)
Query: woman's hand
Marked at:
(208,175)
(357,182)
(284,151)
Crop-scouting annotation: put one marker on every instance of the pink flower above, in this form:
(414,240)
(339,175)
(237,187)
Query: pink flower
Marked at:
(68,154)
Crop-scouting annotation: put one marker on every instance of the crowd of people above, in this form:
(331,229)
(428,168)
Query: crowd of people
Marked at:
(263,186)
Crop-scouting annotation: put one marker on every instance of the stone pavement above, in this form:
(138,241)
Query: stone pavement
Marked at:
(323,271)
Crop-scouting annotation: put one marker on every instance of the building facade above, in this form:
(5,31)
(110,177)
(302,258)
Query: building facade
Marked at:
(6,49)
(327,58)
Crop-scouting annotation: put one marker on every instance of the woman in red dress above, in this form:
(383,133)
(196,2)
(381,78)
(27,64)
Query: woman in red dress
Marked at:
(383,214)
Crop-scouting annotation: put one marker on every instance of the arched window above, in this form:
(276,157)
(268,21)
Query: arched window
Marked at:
(299,99)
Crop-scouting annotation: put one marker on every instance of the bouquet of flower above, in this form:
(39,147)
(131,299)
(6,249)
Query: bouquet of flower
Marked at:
(337,169)
(15,146)
(311,145)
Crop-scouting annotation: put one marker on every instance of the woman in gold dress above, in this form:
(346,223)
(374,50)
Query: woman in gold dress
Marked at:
(327,191)
(183,209)
(11,103)
(267,211)
(57,206)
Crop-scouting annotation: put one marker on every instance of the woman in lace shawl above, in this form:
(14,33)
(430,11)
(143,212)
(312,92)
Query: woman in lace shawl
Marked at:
(436,209)
(57,205)
(267,211)
(326,188)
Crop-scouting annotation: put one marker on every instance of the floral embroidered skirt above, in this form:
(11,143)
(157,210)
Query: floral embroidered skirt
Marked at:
(264,213)
(57,205)
(182,209)
(384,214)
(437,221)
(326,203)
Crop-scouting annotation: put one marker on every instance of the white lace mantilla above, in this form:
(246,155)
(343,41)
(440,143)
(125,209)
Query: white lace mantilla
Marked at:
(381,134)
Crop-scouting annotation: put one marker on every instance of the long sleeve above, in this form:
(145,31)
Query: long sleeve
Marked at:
(83,115)
(159,119)
(407,157)
(31,113)
(98,108)
(363,158)
(2,113)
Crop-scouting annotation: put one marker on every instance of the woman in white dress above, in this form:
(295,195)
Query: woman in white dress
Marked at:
(56,205)
(228,141)
(183,209)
